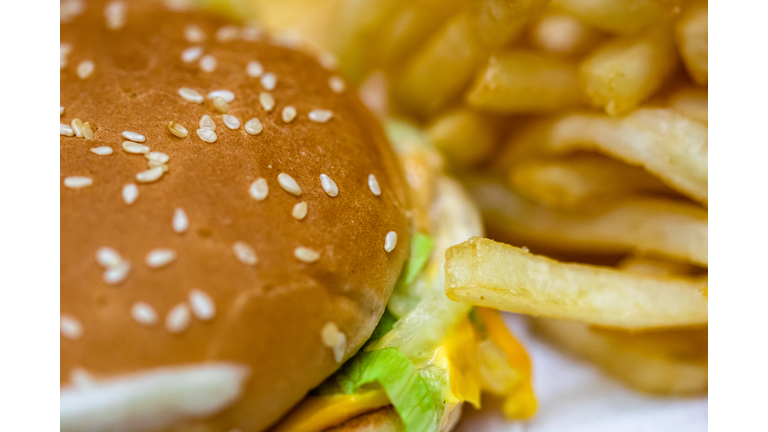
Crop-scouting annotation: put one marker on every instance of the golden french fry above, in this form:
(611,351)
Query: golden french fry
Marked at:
(650,266)
(521,82)
(662,141)
(410,26)
(482,272)
(620,74)
(563,34)
(660,362)
(464,136)
(580,180)
(692,37)
(615,16)
(439,70)
(654,226)
(691,102)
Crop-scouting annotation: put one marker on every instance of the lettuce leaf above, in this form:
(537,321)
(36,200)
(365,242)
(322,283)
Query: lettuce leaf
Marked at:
(417,398)
(404,298)
(385,324)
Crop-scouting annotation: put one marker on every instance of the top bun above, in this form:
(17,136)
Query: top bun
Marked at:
(173,292)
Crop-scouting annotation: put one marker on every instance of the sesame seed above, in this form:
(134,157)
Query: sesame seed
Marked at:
(79,377)
(65,48)
(202,305)
(250,33)
(333,338)
(327,60)
(224,94)
(133,136)
(220,105)
(87,131)
(373,184)
(130,193)
(153,163)
(102,150)
(190,95)
(267,101)
(320,116)
(306,255)
(77,182)
(191,54)
(329,186)
(227,33)
(390,241)
(65,130)
(299,211)
(116,274)
(135,148)
(245,253)
(114,12)
(85,69)
(254,69)
(231,121)
(71,327)
(289,113)
(177,129)
(178,319)
(77,127)
(208,63)
(194,34)
(108,257)
(207,135)
(61,111)
(69,9)
(337,84)
(144,314)
(288,184)
(180,221)
(259,189)
(160,257)
(269,81)
(150,175)
(206,122)
(157,157)
(253,126)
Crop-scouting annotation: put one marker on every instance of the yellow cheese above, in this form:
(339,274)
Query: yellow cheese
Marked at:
(317,413)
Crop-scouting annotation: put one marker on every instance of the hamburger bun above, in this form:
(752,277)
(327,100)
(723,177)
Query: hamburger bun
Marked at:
(196,299)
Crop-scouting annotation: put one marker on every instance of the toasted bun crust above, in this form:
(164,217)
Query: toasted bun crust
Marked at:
(384,419)
(268,316)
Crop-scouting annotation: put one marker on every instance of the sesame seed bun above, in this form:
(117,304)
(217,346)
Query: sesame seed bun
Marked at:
(176,254)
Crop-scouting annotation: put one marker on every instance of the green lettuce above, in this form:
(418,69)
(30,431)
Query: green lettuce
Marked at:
(405,296)
(416,395)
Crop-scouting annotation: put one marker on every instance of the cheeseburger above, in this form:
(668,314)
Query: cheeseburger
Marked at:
(244,246)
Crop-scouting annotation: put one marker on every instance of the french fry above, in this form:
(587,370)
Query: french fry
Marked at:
(413,23)
(438,71)
(581,180)
(691,102)
(650,266)
(692,37)
(652,226)
(521,82)
(482,272)
(662,141)
(661,362)
(563,34)
(464,136)
(622,17)
(622,73)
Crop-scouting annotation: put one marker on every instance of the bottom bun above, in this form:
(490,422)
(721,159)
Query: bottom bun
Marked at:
(386,420)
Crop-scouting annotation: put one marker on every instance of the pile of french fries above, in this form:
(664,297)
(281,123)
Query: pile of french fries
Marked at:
(580,129)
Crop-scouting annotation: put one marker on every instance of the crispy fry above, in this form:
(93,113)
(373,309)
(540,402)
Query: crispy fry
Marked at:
(615,16)
(622,73)
(650,266)
(654,226)
(482,272)
(692,37)
(443,66)
(563,34)
(519,82)
(661,362)
(580,180)
(691,102)
(464,136)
